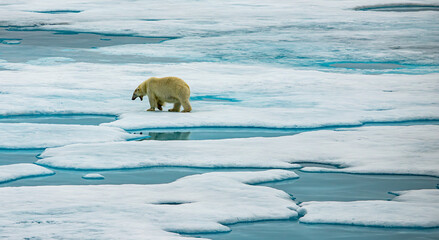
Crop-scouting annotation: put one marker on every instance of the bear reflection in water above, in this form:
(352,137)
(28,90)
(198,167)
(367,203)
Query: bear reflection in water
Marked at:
(169,136)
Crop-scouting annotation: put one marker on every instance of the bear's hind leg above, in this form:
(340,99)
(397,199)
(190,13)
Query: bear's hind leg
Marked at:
(160,104)
(186,105)
(176,107)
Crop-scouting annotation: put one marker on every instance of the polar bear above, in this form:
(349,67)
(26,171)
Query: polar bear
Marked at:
(166,89)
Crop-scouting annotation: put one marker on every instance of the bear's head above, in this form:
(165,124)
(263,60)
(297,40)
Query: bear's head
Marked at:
(137,93)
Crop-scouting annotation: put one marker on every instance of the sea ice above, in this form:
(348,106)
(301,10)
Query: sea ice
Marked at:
(30,135)
(414,208)
(293,99)
(384,150)
(93,176)
(21,170)
(197,203)
(264,96)
(257,152)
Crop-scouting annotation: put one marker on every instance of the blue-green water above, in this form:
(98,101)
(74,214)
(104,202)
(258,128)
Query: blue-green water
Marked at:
(203,133)
(289,230)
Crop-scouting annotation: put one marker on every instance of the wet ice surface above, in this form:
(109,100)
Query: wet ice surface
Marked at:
(77,63)
(33,44)
(303,34)
(367,65)
(71,39)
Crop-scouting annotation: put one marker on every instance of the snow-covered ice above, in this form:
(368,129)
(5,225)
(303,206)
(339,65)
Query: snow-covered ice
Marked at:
(264,96)
(198,203)
(414,208)
(380,149)
(22,170)
(258,152)
(30,135)
(93,176)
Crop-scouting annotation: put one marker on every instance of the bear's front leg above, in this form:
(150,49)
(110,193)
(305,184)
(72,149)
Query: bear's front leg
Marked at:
(152,103)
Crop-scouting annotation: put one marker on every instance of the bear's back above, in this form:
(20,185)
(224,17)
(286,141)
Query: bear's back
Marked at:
(168,81)
(169,89)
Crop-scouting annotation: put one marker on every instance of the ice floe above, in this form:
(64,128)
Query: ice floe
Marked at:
(96,176)
(257,153)
(198,203)
(383,150)
(414,209)
(22,170)
(263,96)
(30,135)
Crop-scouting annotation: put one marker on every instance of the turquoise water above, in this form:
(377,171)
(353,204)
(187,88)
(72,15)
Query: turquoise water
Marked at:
(293,230)
(202,133)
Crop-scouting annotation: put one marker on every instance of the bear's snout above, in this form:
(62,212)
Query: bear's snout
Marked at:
(135,96)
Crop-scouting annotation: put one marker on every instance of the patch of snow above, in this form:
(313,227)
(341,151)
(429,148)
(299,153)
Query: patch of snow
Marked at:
(31,135)
(414,208)
(93,176)
(257,152)
(208,201)
(383,150)
(22,170)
